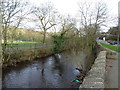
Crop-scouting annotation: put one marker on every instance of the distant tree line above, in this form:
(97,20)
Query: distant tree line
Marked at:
(111,34)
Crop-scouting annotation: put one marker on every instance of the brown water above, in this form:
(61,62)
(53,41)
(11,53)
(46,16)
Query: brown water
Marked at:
(55,71)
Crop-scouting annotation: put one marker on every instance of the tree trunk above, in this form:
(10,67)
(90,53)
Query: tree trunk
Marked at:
(44,37)
(1,58)
(0,43)
(4,44)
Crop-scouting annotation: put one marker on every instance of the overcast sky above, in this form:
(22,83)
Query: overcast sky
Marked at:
(71,6)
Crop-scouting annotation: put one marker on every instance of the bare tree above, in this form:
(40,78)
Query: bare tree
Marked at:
(67,23)
(0,40)
(44,18)
(92,14)
(12,15)
(64,38)
(92,17)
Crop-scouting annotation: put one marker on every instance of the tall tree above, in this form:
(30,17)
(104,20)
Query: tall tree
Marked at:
(44,18)
(62,39)
(92,17)
(92,14)
(113,30)
(0,40)
(12,15)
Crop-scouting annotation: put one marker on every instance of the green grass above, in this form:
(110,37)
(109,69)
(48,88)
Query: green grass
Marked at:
(23,44)
(114,48)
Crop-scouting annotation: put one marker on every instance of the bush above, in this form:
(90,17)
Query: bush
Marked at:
(58,42)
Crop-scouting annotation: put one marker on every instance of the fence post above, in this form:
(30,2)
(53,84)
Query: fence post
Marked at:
(17,46)
(35,45)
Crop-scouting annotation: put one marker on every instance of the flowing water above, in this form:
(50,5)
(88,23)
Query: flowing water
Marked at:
(55,71)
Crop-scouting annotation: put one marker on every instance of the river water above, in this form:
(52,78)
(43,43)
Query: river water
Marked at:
(55,71)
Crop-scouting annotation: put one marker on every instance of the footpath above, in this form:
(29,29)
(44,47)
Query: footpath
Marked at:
(111,75)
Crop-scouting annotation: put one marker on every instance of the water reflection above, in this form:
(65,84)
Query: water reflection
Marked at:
(51,72)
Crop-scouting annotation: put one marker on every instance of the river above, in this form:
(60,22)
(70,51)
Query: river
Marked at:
(55,71)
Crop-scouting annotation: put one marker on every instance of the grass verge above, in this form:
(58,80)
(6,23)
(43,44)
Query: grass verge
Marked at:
(23,44)
(114,48)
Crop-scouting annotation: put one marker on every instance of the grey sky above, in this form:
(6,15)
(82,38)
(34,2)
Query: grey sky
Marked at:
(71,7)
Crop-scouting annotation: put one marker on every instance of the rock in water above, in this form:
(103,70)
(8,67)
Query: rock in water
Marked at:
(76,72)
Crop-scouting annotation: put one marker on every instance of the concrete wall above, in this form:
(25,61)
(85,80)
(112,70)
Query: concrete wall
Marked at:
(96,75)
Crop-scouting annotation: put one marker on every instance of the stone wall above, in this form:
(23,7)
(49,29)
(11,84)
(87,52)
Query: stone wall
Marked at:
(96,75)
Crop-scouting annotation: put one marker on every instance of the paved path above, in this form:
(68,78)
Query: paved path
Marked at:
(111,80)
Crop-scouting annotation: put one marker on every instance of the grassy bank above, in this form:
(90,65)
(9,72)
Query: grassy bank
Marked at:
(23,44)
(114,48)
(19,56)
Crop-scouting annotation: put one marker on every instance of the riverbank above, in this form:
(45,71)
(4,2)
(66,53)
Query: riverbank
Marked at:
(55,71)
(20,56)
